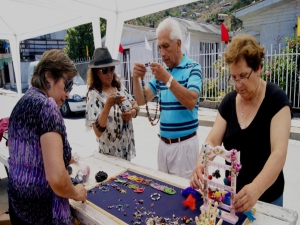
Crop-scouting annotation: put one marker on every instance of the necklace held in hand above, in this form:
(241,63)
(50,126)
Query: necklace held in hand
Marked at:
(154,120)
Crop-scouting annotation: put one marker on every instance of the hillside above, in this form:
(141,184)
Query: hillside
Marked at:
(204,11)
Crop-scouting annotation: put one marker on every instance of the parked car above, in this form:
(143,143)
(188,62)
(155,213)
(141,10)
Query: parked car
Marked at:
(31,68)
(77,98)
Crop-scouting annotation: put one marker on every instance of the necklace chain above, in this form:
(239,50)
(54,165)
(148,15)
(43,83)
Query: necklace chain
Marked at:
(152,120)
(249,107)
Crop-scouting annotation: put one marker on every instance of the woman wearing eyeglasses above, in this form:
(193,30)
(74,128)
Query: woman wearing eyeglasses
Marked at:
(110,108)
(254,119)
(39,187)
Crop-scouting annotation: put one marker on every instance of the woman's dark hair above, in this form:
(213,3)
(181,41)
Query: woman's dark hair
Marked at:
(94,82)
(57,63)
(244,46)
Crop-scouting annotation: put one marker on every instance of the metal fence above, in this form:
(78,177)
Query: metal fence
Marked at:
(283,69)
(279,67)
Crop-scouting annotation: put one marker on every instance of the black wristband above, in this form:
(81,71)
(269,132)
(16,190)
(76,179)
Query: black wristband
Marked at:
(99,128)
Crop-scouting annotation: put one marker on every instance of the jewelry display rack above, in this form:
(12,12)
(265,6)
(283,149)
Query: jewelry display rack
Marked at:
(227,212)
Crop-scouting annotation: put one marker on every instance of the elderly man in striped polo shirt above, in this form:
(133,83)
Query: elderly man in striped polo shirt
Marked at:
(179,87)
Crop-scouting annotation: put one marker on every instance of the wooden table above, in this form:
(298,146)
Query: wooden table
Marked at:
(266,214)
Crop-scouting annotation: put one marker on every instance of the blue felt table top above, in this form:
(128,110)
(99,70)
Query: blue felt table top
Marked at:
(124,206)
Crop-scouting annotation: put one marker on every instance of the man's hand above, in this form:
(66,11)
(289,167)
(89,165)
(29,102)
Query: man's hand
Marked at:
(159,72)
(139,70)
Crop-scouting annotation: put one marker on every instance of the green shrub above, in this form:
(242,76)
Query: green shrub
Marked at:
(283,68)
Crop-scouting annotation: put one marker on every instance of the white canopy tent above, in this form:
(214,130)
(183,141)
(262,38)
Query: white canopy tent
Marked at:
(24,19)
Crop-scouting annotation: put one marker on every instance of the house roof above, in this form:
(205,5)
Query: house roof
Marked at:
(199,26)
(189,24)
(142,28)
(259,6)
(250,32)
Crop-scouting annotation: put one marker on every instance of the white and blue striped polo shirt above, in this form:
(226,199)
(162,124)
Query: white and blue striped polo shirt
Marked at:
(175,119)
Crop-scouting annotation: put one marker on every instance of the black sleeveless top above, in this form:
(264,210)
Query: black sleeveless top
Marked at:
(254,142)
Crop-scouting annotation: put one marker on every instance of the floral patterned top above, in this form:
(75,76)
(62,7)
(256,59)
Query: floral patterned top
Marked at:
(122,147)
(29,192)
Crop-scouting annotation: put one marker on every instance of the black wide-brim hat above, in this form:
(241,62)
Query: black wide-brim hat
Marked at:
(102,58)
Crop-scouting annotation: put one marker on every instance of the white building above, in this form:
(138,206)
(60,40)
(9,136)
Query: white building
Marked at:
(270,21)
(204,39)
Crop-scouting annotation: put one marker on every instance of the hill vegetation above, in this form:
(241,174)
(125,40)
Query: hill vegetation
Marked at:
(204,11)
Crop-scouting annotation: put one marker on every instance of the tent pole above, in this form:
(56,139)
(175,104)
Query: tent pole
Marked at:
(14,46)
(97,32)
(113,34)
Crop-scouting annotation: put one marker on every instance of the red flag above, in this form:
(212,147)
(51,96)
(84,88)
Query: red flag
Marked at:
(121,49)
(224,34)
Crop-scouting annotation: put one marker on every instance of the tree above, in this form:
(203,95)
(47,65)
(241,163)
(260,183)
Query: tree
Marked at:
(240,4)
(79,37)
(236,23)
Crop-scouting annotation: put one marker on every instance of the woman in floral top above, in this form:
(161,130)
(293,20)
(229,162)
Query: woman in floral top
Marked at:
(39,186)
(110,108)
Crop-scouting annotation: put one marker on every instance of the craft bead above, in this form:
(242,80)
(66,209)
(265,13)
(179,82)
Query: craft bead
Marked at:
(229,178)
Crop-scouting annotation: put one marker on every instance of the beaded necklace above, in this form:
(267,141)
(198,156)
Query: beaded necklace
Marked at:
(152,120)
(118,131)
(125,124)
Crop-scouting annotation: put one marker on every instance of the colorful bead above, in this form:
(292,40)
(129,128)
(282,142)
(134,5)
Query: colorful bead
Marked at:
(229,178)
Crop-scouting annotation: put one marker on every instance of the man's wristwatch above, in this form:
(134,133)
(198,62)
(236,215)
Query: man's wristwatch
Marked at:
(168,84)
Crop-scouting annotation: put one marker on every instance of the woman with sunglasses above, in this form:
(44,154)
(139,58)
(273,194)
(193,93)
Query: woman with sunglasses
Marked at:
(110,108)
(39,186)
(254,119)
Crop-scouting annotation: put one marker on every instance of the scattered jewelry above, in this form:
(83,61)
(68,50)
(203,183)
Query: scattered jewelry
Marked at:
(119,207)
(155,196)
(139,190)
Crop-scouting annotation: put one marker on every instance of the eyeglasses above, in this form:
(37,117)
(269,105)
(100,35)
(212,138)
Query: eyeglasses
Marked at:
(68,85)
(105,70)
(242,80)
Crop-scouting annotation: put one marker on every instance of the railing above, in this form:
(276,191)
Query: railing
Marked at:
(280,68)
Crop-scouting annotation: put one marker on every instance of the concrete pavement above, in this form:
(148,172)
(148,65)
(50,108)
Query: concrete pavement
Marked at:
(207,116)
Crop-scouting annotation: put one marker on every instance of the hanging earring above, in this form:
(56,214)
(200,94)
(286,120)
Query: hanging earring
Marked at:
(216,174)
(48,85)
(227,180)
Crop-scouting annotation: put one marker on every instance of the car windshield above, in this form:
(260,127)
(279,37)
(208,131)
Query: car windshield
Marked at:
(78,80)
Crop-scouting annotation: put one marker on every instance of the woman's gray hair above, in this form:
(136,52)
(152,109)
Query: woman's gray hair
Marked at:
(171,25)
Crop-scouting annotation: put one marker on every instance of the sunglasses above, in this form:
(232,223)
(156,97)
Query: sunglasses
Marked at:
(106,69)
(69,85)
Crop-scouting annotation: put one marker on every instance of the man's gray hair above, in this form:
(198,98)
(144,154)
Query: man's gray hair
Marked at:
(171,25)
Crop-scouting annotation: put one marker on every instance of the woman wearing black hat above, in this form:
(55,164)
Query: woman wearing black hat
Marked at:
(110,108)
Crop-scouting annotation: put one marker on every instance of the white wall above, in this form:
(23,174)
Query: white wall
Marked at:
(133,36)
(59,34)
